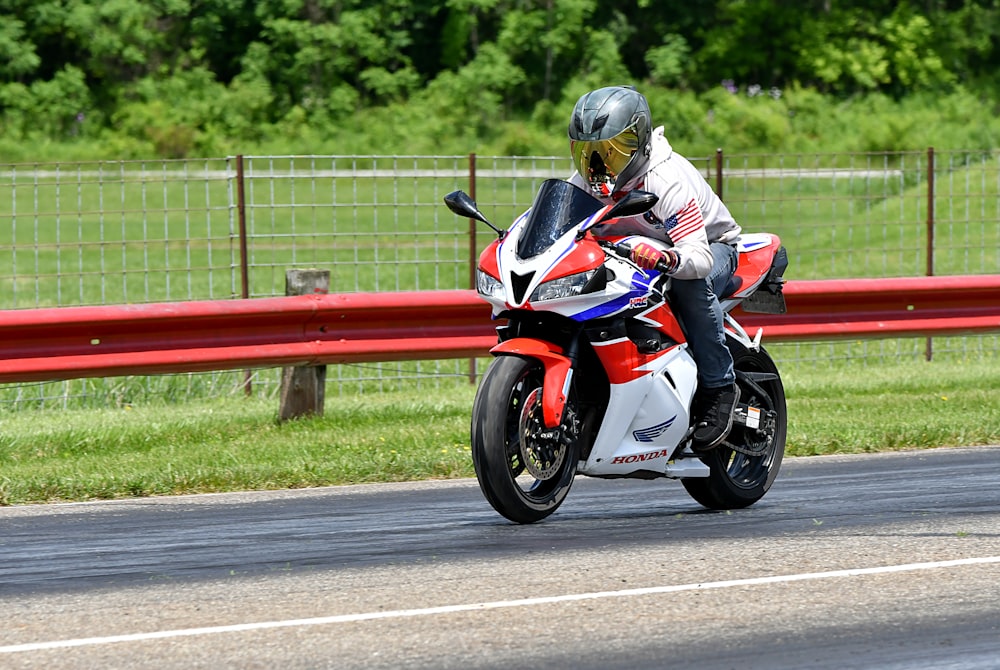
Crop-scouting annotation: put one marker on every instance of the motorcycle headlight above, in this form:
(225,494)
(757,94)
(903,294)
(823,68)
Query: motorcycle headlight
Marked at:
(488,285)
(563,287)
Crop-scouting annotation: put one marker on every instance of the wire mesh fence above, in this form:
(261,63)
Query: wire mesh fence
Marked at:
(220,228)
(873,215)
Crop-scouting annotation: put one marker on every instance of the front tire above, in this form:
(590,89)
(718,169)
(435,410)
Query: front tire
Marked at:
(524,471)
(738,479)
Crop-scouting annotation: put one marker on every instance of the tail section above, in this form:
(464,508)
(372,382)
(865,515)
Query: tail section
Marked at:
(756,285)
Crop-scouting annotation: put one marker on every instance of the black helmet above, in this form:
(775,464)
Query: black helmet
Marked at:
(609,137)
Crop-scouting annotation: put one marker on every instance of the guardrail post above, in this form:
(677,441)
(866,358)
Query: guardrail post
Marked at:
(303,388)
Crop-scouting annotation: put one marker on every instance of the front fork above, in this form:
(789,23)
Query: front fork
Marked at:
(558,367)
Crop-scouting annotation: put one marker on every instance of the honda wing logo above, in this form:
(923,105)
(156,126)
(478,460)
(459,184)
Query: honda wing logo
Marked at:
(653,432)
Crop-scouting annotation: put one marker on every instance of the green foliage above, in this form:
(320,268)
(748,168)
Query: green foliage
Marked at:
(192,113)
(17,58)
(959,120)
(52,108)
(966,37)
(116,36)
(743,122)
(668,63)
(178,78)
(864,52)
(472,99)
(308,50)
(752,41)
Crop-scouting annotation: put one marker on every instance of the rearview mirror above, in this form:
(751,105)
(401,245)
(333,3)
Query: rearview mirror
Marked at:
(634,202)
(462,204)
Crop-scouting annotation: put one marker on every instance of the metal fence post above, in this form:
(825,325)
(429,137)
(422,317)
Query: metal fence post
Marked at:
(241,215)
(472,250)
(718,172)
(241,212)
(929,352)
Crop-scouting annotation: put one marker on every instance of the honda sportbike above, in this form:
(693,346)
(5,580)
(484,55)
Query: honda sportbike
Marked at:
(592,374)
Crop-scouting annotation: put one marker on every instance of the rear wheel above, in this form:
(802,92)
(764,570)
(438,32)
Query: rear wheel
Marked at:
(524,469)
(745,465)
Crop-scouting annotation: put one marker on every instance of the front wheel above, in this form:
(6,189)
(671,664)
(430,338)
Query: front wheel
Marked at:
(524,470)
(744,466)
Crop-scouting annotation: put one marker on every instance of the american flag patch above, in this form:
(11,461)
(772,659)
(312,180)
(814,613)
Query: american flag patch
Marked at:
(684,222)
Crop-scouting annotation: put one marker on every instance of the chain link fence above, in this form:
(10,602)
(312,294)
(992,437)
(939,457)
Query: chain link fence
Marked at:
(228,228)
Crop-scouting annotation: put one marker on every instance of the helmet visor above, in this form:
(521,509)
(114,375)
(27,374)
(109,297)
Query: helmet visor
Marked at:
(601,161)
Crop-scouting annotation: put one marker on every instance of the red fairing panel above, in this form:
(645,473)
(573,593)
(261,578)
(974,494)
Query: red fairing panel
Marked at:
(664,320)
(623,362)
(586,255)
(557,368)
(754,265)
(488,260)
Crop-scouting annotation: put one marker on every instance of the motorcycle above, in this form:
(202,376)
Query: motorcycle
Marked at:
(592,375)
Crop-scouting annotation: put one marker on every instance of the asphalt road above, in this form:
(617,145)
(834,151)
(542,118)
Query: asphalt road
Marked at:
(876,561)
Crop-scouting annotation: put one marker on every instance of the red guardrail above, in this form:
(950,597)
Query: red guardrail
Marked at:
(832,309)
(73,342)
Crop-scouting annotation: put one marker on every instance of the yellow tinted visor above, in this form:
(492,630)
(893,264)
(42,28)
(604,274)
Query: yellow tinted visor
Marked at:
(615,154)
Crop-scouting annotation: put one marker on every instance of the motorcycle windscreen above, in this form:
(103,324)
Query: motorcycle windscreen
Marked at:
(558,207)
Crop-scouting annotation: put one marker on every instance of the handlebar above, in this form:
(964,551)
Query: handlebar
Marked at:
(625,251)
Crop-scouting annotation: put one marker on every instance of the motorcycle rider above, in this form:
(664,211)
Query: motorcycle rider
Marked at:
(615,150)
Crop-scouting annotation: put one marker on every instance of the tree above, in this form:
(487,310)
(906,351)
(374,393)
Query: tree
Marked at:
(862,51)
(194,69)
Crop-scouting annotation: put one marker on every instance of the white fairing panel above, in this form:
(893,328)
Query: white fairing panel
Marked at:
(650,419)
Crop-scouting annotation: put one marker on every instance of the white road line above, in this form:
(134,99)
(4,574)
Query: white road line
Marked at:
(474,607)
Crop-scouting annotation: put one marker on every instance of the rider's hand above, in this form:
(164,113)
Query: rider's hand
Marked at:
(648,257)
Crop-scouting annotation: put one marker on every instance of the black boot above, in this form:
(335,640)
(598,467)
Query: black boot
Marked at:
(714,416)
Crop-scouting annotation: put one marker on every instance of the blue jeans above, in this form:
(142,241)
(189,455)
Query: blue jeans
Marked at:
(696,303)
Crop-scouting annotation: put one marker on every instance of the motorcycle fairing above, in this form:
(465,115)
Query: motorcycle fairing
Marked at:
(638,289)
(623,362)
(629,289)
(756,251)
(580,258)
(539,267)
(555,386)
(545,244)
(488,262)
(654,409)
(622,359)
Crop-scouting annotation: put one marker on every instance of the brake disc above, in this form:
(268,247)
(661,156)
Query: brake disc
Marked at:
(542,450)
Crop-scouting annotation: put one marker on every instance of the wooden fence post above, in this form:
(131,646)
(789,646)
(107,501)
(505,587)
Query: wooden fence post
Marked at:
(303,388)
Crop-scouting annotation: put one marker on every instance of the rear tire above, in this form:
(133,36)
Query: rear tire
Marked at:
(739,480)
(523,470)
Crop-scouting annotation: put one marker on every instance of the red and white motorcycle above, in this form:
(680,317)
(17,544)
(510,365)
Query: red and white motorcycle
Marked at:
(592,373)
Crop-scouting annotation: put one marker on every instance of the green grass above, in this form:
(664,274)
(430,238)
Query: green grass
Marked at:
(229,444)
(236,443)
(855,408)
